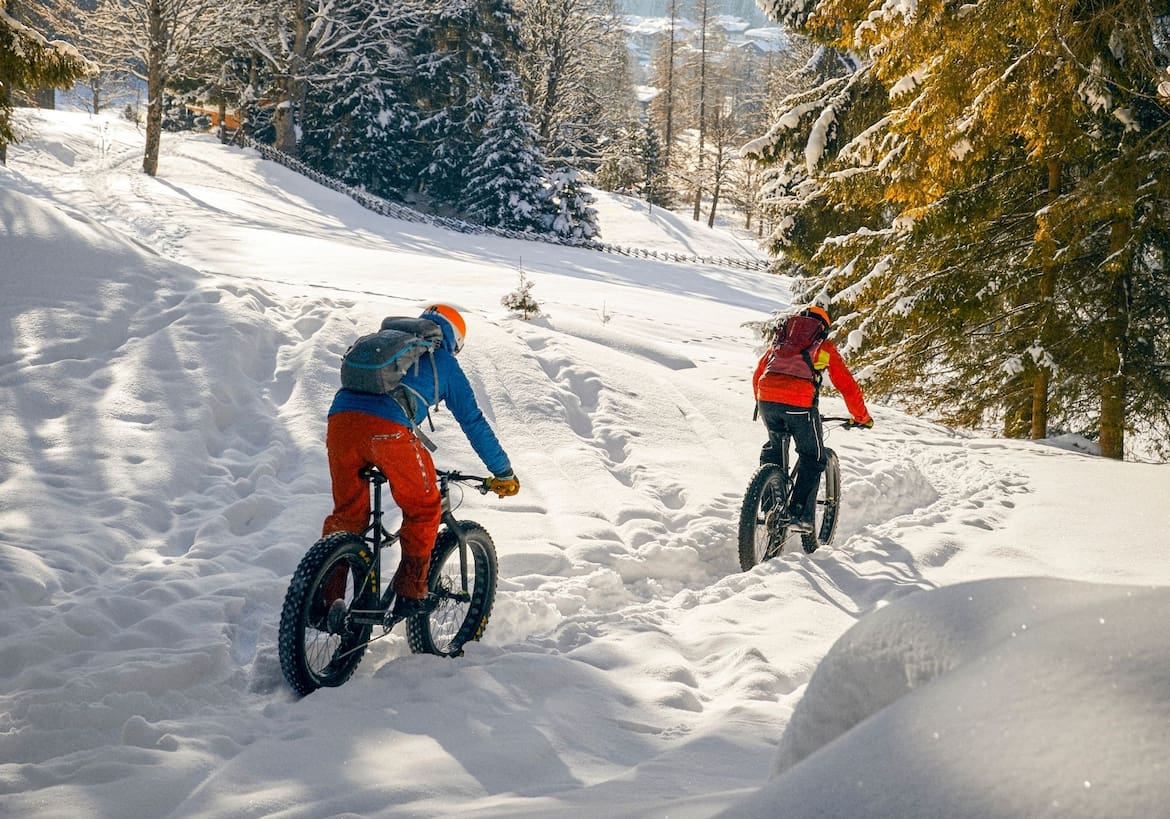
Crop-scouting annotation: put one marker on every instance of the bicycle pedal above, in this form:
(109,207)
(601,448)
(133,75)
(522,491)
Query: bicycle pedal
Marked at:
(405,607)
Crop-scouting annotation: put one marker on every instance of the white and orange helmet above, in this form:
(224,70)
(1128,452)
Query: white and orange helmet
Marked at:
(452,317)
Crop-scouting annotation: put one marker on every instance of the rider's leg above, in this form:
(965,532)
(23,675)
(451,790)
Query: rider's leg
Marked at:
(410,473)
(776,424)
(347,444)
(808,439)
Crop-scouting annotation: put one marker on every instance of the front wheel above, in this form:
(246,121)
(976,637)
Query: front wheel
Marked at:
(462,611)
(828,504)
(763,519)
(318,644)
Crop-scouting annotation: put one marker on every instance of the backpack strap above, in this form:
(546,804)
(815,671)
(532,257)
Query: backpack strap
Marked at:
(413,394)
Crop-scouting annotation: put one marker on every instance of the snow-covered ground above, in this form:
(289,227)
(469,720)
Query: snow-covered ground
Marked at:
(987,637)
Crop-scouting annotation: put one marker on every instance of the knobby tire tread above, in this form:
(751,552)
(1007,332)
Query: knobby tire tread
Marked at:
(294,615)
(828,506)
(749,513)
(481,552)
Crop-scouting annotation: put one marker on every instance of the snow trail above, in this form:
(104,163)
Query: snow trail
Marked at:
(163,473)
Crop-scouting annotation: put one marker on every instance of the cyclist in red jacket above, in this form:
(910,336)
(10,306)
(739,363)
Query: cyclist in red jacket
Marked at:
(787,393)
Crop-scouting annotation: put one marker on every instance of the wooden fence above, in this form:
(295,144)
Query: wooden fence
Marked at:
(387,208)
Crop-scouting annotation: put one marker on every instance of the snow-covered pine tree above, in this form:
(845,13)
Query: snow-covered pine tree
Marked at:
(568,207)
(296,39)
(28,60)
(506,175)
(985,199)
(462,52)
(621,170)
(521,301)
(358,126)
(655,186)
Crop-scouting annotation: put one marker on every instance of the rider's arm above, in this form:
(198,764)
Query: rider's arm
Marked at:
(460,399)
(843,380)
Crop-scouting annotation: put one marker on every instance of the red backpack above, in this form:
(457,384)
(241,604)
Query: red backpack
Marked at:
(795,348)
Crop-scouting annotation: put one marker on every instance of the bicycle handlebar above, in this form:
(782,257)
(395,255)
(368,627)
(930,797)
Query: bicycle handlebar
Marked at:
(845,421)
(479,482)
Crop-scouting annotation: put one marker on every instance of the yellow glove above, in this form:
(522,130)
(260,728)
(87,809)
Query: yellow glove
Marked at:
(504,485)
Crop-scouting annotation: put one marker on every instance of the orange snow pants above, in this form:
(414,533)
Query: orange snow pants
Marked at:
(355,440)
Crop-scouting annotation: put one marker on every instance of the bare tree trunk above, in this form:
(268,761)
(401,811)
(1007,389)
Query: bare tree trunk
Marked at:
(714,202)
(552,80)
(1112,421)
(95,90)
(5,97)
(292,87)
(1040,404)
(669,136)
(154,85)
(718,168)
(1041,382)
(702,107)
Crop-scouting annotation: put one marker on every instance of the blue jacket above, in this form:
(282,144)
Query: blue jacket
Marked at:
(454,390)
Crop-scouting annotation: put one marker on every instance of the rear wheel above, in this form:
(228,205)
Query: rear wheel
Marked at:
(461,614)
(763,519)
(828,502)
(318,644)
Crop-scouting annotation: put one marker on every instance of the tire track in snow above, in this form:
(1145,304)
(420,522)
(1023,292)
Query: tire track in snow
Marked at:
(612,415)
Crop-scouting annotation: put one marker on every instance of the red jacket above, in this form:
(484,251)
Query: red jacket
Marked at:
(798,392)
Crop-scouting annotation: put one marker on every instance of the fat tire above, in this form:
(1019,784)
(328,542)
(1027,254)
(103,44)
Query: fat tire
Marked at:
(454,623)
(312,657)
(765,491)
(828,504)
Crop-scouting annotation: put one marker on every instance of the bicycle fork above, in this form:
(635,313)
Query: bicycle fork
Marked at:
(460,536)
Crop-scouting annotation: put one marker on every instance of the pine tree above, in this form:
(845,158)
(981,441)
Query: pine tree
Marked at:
(358,126)
(655,184)
(28,60)
(462,52)
(506,175)
(985,199)
(621,169)
(521,301)
(568,207)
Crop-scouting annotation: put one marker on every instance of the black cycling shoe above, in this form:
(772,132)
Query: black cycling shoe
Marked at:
(797,522)
(405,607)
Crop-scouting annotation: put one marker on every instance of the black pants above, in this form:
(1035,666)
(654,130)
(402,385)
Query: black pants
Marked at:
(804,425)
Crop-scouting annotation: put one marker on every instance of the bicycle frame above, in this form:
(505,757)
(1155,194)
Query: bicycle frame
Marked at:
(788,468)
(375,610)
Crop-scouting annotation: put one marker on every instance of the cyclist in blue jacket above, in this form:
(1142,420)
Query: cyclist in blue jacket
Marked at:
(365,428)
